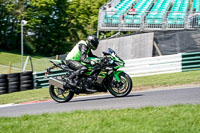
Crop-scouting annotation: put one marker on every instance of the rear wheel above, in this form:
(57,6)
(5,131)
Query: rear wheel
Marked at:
(122,88)
(60,95)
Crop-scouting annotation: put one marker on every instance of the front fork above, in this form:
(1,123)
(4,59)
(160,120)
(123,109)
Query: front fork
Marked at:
(116,75)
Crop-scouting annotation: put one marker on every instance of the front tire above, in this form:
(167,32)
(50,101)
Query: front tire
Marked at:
(123,88)
(60,95)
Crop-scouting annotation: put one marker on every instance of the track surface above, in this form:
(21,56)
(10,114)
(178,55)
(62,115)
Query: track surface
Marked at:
(134,100)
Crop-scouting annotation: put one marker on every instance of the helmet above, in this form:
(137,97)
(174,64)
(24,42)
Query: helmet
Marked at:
(92,42)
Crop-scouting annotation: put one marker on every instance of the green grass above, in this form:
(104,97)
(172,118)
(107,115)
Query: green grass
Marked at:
(181,78)
(25,96)
(39,63)
(172,119)
(139,83)
(7,57)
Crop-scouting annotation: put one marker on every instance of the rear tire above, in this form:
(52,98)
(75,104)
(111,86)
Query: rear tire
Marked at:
(3,80)
(27,82)
(3,92)
(24,78)
(3,84)
(56,97)
(16,79)
(4,88)
(126,87)
(13,75)
(3,76)
(26,73)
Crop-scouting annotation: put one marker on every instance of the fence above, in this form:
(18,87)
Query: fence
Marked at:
(153,65)
(151,20)
(38,63)
(191,61)
(144,66)
(40,81)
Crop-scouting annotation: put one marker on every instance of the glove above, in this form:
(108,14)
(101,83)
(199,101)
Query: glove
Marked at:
(92,63)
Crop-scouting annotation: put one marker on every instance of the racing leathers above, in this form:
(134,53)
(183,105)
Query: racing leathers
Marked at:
(79,53)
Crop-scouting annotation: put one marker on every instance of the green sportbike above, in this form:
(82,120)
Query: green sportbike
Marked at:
(102,77)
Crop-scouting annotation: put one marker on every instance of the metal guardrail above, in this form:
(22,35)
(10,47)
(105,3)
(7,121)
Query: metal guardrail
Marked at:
(151,20)
(191,61)
(153,65)
(40,81)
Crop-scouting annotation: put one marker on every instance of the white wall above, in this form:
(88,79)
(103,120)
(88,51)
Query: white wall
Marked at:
(128,47)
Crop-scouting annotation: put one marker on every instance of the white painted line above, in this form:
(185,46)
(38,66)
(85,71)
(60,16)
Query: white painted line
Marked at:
(6,105)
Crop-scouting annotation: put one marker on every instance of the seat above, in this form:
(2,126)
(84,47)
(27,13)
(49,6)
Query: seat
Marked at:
(171,21)
(115,19)
(180,22)
(149,21)
(107,19)
(158,21)
(129,19)
(136,21)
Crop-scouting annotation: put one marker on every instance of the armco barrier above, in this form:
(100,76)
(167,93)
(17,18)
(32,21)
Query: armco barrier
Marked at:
(40,81)
(153,65)
(191,61)
(143,66)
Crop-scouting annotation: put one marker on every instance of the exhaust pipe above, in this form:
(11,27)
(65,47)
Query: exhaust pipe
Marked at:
(55,82)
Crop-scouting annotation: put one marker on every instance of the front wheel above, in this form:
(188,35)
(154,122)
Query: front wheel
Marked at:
(122,88)
(60,95)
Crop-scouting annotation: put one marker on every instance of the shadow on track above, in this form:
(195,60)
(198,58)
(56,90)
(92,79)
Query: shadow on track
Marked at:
(107,97)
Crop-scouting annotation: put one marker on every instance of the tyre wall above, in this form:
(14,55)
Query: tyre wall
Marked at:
(15,82)
(3,84)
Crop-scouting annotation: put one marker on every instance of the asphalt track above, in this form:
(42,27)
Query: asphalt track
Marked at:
(134,100)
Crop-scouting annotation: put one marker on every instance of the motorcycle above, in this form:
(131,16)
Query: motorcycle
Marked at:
(102,77)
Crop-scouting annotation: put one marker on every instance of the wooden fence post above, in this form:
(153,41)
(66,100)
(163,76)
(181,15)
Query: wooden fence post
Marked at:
(57,57)
(9,68)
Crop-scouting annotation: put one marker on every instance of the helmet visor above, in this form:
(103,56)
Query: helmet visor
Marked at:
(94,44)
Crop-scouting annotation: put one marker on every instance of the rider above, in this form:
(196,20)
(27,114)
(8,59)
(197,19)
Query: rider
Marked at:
(80,53)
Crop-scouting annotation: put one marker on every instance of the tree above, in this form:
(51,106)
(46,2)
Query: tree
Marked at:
(54,26)
(85,14)
(10,14)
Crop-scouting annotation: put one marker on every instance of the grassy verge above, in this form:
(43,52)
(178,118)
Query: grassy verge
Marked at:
(173,119)
(25,96)
(139,83)
(165,80)
(39,63)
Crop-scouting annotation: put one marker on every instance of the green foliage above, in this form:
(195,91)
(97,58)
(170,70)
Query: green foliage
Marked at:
(10,14)
(171,79)
(54,26)
(25,96)
(172,119)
